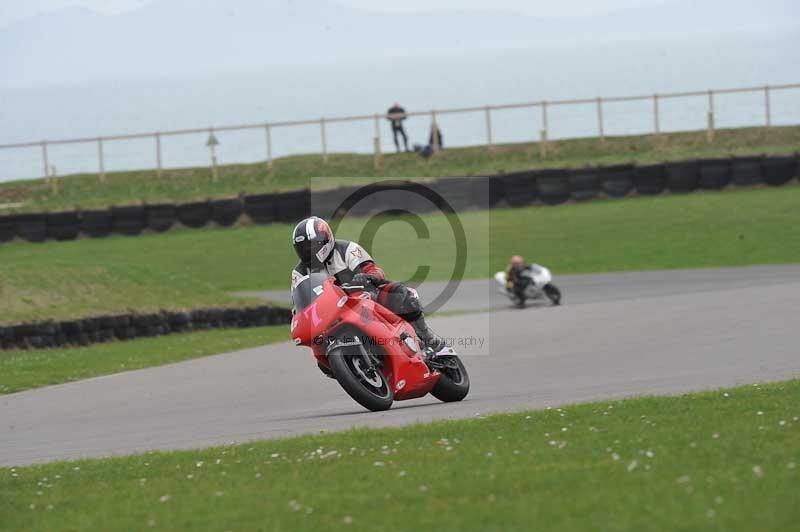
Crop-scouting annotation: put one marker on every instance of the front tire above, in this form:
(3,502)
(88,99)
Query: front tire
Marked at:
(453,382)
(367,385)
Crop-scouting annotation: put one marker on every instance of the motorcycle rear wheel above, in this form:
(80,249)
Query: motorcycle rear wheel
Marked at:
(453,382)
(366,385)
(553,293)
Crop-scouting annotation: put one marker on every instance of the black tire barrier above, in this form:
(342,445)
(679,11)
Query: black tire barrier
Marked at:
(195,215)
(418,203)
(226,212)
(340,200)
(714,174)
(6,229)
(100,329)
(650,179)
(96,224)
(584,184)
(616,181)
(797,165)
(31,227)
(457,191)
(553,186)
(481,195)
(377,201)
(682,176)
(6,338)
(497,190)
(215,317)
(382,198)
(746,171)
(129,221)
(779,170)
(179,321)
(326,203)
(160,217)
(63,225)
(260,207)
(519,188)
(293,206)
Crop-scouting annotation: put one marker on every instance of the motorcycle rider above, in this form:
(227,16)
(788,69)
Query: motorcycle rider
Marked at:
(515,267)
(350,263)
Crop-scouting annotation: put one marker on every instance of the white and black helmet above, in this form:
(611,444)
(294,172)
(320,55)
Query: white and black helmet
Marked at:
(313,241)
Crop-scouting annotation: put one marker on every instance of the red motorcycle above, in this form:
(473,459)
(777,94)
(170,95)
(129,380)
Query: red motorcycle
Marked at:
(373,354)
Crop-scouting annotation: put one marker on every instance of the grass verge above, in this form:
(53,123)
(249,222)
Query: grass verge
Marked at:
(293,172)
(66,288)
(197,268)
(723,460)
(22,370)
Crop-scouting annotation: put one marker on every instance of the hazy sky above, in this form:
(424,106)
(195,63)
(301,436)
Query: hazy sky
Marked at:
(12,10)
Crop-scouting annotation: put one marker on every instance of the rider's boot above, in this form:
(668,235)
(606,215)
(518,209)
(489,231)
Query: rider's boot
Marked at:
(519,296)
(432,342)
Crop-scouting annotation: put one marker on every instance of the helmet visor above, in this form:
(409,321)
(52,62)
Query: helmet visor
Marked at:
(313,251)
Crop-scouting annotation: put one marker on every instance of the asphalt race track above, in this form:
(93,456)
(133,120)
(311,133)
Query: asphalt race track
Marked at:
(616,335)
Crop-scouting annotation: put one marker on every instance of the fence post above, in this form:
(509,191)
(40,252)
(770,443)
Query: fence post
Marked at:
(543,133)
(214,175)
(101,160)
(710,127)
(212,143)
(158,154)
(268,140)
(767,108)
(44,160)
(489,126)
(600,119)
(377,160)
(49,172)
(324,140)
(435,133)
(376,141)
(656,122)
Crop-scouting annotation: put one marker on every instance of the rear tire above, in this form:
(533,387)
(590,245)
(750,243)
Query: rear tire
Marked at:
(348,367)
(553,294)
(453,382)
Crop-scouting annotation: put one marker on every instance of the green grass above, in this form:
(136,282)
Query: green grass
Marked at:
(22,370)
(43,288)
(193,268)
(294,172)
(711,461)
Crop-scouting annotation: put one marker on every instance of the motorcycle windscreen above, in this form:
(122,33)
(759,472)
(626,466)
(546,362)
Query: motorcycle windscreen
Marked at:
(308,290)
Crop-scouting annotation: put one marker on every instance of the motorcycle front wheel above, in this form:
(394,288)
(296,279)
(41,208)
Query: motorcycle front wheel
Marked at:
(362,381)
(453,382)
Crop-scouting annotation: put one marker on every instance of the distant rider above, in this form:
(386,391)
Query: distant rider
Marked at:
(516,266)
(350,263)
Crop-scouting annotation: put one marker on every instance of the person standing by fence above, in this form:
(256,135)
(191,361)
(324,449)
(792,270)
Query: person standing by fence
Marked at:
(396,115)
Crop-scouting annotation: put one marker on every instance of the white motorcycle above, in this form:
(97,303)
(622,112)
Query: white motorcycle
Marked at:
(535,283)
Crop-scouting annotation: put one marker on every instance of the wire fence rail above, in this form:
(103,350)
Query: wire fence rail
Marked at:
(323,122)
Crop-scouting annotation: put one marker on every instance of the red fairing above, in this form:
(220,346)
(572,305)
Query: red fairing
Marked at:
(404,367)
(372,269)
